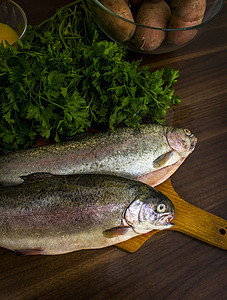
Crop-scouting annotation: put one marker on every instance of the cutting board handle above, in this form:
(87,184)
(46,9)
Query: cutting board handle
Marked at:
(196,222)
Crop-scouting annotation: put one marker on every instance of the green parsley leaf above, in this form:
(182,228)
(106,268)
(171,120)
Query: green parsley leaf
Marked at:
(66,76)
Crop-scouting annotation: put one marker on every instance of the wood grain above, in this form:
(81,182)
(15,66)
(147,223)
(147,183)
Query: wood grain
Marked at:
(170,265)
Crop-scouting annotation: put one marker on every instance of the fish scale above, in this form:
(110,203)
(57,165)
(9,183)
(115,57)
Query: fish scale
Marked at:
(125,152)
(63,213)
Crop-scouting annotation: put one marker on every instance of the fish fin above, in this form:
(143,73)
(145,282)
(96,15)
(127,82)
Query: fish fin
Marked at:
(116,231)
(23,252)
(157,177)
(162,159)
(36,176)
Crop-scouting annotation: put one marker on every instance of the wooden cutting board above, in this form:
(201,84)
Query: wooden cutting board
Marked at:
(189,220)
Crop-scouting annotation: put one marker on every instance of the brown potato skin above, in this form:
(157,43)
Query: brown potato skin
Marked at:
(154,14)
(188,13)
(119,29)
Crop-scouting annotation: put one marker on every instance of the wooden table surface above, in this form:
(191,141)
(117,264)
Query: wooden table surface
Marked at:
(170,265)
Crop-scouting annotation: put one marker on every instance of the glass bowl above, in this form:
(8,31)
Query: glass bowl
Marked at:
(146,39)
(13,21)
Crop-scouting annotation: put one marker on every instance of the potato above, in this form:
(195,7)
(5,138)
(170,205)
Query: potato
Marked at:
(154,14)
(117,28)
(188,13)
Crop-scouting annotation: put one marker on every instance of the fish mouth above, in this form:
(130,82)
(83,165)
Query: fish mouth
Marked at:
(193,143)
(165,220)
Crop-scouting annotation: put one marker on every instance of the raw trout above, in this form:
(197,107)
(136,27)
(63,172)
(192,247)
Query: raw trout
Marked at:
(150,154)
(65,213)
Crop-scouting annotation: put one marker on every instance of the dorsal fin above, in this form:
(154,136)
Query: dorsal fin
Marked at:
(36,177)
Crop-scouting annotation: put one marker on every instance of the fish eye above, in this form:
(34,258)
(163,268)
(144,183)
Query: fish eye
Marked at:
(161,208)
(187,131)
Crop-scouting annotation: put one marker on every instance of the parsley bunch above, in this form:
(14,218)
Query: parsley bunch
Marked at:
(66,77)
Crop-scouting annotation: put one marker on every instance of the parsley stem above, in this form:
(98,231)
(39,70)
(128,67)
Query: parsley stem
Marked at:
(60,34)
(149,92)
(59,11)
(54,103)
(47,100)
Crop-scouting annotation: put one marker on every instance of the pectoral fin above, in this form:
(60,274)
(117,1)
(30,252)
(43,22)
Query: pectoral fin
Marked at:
(162,160)
(166,159)
(116,231)
(23,252)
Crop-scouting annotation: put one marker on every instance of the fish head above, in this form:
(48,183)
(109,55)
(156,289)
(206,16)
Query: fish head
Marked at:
(150,211)
(181,140)
(179,143)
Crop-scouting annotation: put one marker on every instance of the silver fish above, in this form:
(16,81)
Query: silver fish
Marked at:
(150,154)
(63,213)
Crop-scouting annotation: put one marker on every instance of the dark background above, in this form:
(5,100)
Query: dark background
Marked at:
(170,265)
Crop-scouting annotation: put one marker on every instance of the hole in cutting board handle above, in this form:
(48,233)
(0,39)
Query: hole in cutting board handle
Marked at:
(222,231)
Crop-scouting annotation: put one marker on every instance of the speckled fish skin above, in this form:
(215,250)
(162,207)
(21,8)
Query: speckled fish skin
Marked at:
(65,213)
(154,151)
